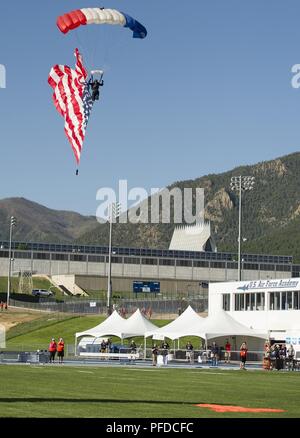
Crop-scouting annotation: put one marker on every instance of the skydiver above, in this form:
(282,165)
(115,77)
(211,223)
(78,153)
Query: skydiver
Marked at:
(95,85)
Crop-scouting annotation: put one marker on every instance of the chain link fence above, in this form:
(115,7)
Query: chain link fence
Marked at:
(159,308)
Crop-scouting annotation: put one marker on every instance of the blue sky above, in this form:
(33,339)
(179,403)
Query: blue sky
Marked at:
(207,90)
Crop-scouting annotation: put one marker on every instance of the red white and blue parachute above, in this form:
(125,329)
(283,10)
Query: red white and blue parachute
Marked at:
(81,17)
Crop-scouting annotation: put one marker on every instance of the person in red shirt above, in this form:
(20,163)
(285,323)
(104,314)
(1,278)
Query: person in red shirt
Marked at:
(227,352)
(52,350)
(60,350)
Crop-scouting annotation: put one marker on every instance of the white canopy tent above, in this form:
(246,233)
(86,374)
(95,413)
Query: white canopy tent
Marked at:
(177,328)
(113,326)
(137,325)
(221,324)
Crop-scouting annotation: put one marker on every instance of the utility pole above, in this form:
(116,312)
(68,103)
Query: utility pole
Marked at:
(114,212)
(240,184)
(12,224)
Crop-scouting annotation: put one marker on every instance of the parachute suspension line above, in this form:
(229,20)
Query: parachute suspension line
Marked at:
(81,46)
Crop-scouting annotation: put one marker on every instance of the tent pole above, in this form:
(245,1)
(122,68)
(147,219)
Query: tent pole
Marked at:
(145,352)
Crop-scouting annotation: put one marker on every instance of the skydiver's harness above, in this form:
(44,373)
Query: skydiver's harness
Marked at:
(95,84)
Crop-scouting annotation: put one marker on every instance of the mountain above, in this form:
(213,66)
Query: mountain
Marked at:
(36,223)
(270,212)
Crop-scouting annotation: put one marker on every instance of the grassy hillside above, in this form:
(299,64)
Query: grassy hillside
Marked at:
(38,283)
(37,334)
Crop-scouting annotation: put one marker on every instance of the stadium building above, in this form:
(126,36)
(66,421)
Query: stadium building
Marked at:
(81,267)
(264,305)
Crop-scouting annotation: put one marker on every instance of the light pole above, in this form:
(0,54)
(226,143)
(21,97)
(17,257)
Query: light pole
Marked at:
(12,224)
(114,212)
(240,184)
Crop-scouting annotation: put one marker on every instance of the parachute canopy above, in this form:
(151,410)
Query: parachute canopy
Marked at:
(85,16)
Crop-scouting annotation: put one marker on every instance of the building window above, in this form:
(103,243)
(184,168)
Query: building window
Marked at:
(266,267)
(184,262)
(149,262)
(260,301)
(253,301)
(96,259)
(284,300)
(275,301)
(117,260)
(239,302)
(60,257)
(78,258)
(217,265)
(132,260)
(166,262)
(226,302)
(296,300)
(41,256)
(289,300)
(22,255)
(247,300)
(201,264)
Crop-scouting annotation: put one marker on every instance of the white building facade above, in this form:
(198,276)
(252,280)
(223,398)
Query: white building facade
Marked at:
(268,305)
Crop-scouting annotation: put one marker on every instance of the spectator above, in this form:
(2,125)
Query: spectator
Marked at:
(290,353)
(277,357)
(154,355)
(52,350)
(214,354)
(243,355)
(272,356)
(108,345)
(132,346)
(5,305)
(150,312)
(189,352)
(165,351)
(227,351)
(103,346)
(1,305)
(267,357)
(60,350)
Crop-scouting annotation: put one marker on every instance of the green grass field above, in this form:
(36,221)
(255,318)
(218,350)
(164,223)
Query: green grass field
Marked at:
(128,392)
(124,392)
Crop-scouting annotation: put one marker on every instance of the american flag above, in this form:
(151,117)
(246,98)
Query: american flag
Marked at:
(72,100)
